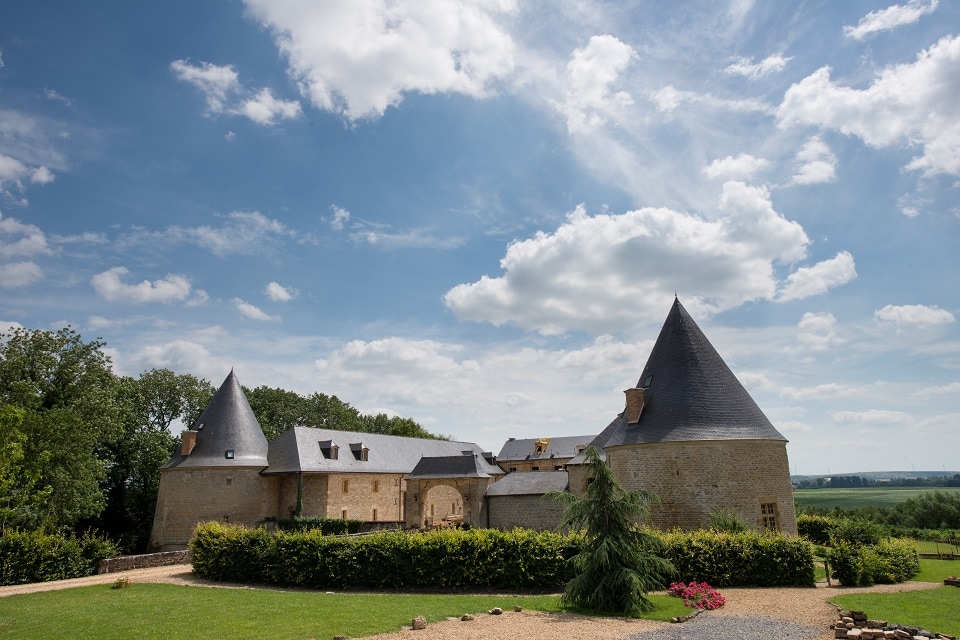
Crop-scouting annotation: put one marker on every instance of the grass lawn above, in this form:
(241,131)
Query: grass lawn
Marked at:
(937,570)
(163,611)
(863,497)
(934,610)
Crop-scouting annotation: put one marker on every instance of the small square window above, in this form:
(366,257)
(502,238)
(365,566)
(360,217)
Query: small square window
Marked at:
(228,454)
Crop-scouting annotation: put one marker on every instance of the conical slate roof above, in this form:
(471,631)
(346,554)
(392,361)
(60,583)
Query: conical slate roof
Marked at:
(228,434)
(690,394)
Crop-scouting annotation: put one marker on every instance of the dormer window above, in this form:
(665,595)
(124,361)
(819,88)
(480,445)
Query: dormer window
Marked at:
(647,381)
(200,426)
(540,446)
(329,450)
(359,451)
(228,454)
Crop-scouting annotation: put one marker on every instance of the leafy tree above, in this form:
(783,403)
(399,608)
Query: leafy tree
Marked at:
(619,562)
(67,390)
(277,409)
(20,500)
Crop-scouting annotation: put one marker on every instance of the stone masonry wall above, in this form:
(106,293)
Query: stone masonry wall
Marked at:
(694,478)
(371,497)
(538,464)
(188,496)
(530,512)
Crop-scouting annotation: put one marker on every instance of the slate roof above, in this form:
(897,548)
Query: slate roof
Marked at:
(301,449)
(466,465)
(517,449)
(227,424)
(690,394)
(534,483)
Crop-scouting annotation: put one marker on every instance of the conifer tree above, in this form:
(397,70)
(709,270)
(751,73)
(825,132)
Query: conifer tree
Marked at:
(619,562)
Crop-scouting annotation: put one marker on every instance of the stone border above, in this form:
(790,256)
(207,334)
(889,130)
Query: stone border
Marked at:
(144,561)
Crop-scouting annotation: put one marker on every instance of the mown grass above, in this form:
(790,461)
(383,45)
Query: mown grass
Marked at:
(862,497)
(160,611)
(933,610)
(937,570)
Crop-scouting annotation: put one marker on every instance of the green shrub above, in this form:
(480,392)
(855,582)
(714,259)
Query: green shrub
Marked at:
(727,522)
(896,561)
(328,526)
(815,528)
(741,559)
(37,557)
(856,531)
(849,564)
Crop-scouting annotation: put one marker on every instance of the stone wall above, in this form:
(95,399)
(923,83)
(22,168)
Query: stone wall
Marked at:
(143,561)
(530,512)
(190,495)
(692,479)
(535,464)
(369,497)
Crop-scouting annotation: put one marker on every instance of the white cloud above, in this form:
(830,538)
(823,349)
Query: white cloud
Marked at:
(109,285)
(13,172)
(14,275)
(890,18)
(215,82)
(820,278)
(591,72)
(914,315)
(821,391)
(914,104)
(340,217)
(264,108)
(18,239)
(816,332)
(873,417)
(359,57)
(669,98)
(748,69)
(253,312)
(609,272)
(413,239)
(946,389)
(817,163)
(742,167)
(178,355)
(279,293)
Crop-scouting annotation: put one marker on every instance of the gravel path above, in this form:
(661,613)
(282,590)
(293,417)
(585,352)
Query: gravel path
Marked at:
(790,614)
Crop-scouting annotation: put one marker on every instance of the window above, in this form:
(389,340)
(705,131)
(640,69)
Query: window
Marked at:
(329,450)
(228,454)
(374,515)
(343,514)
(534,468)
(346,485)
(359,451)
(229,481)
(768,516)
(540,446)
(646,383)
(376,487)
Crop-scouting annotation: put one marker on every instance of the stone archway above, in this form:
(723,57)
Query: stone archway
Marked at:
(441,501)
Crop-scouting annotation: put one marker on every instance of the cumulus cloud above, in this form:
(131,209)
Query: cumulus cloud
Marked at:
(279,293)
(914,104)
(748,69)
(265,109)
(340,217)
(356,58)
(109,285)
(816,332)
(819,278)
(18,239)
(742,167)
(817,163)
(221,87)
(591,72)
(914,315)
(13,173)
(890,18)
(609,272)
(253,312)
(14,275)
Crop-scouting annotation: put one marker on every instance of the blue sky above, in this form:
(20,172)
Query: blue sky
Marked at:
(476,213)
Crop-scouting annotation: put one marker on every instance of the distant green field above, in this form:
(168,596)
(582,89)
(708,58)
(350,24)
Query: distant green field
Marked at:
(864,497)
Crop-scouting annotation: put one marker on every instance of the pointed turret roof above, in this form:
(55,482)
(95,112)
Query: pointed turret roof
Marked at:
(228,434)
(690,394)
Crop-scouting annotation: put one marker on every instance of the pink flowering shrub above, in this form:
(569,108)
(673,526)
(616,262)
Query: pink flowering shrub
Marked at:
(697,595)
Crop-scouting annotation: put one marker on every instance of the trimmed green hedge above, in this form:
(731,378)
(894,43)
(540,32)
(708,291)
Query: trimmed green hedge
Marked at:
(887,562)
(475,559)
(815,528)
(36,557)
(327,526)
(746,559)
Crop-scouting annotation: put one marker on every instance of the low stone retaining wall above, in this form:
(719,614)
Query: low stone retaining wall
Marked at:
(856,626)
(144,561)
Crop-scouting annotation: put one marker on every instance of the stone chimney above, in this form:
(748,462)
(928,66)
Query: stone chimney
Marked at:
(188,440)
(634,405)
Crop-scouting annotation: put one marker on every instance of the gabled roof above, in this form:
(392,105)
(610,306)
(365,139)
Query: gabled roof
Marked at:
(302,449)
(228,434)
(526,448)
(466,465)
(690,394)
(529,484)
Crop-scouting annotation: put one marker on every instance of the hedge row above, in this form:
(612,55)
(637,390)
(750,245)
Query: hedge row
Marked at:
(37,557)
(475,559)
(327,526)
(741,559)
(887,562)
